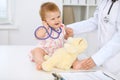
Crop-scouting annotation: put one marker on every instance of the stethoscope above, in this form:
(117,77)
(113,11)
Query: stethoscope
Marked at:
(106,18)
(49,34)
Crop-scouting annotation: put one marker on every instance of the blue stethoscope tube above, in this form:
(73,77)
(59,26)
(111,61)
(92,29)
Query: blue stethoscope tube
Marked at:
(106,18)
(48,33)
(113,1)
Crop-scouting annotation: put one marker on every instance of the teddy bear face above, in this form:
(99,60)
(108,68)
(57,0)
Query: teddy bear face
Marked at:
(75,45)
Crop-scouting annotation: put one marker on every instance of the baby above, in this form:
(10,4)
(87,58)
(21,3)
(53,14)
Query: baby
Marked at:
(51,36)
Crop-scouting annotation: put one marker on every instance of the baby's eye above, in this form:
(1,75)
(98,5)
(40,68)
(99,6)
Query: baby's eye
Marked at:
(58,17)
(53,19)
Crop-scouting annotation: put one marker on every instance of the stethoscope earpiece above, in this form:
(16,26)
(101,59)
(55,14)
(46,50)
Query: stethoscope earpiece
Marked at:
(114,0)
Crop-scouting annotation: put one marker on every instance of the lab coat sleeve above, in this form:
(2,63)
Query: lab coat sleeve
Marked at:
(86,25)
(109,49)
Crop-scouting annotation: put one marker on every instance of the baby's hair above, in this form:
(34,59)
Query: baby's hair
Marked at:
(47,7)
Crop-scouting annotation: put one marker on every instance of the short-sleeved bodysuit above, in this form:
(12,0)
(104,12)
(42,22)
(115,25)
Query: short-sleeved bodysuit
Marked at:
(49,45)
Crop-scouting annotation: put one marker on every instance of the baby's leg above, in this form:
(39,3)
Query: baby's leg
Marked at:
(38,55)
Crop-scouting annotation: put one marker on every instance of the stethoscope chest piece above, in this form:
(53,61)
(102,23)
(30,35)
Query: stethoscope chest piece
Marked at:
(106,19)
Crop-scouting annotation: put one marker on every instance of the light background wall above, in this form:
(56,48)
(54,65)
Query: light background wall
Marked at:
(25,19)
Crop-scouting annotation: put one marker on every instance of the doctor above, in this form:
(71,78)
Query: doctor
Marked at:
(106,21)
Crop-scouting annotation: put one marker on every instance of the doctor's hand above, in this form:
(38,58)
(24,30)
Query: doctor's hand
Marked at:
(84,64)
(69,32)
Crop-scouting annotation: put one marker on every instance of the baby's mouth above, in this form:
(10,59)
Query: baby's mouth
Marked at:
(57,24)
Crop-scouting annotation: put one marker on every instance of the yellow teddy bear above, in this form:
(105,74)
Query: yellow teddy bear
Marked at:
(63,58)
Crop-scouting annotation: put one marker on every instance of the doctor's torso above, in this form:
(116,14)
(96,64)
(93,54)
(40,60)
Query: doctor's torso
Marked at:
(107,26)
(109,36)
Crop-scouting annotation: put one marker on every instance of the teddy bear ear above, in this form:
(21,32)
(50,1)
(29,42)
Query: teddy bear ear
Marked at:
(70,39)
(70,48)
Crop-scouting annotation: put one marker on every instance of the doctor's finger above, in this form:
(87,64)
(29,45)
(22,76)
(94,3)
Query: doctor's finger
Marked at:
(89,64)
(83,65)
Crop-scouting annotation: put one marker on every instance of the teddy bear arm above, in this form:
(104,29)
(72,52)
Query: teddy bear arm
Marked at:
(82,46)
(49,64)
(66,62)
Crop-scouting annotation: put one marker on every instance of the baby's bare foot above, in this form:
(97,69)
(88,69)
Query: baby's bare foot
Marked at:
(38,66)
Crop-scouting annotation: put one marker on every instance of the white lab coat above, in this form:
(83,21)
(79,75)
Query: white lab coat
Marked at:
(108,33)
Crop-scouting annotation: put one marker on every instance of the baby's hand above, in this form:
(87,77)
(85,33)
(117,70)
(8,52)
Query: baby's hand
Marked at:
(41,32)
(69,32)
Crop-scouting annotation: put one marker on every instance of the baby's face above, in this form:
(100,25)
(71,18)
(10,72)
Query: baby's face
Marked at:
(53,19)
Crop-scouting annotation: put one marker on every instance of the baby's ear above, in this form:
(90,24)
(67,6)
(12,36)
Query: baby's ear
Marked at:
(45,24)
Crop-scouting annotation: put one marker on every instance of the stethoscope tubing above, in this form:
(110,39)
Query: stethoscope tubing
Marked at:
(49,34)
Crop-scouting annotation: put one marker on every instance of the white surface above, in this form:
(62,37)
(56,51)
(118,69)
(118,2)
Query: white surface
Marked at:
(92,75)
(16,65)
